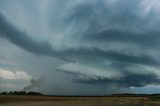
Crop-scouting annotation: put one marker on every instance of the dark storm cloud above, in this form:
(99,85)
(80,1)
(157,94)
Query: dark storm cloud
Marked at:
(43,48)
(145,39)
(131,80)
(95,54)
(21,39)
(103,23)
(121,57)
(123,25)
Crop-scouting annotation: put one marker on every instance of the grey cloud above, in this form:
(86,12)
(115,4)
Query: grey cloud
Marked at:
(43,48)
(145,39)
(142,59)
(95,54)
(133,76)
(131,80)
(81,54)
(100,15)
(92,26)
(22,39)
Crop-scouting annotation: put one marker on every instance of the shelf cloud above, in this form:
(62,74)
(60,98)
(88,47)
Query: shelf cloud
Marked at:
(96,42)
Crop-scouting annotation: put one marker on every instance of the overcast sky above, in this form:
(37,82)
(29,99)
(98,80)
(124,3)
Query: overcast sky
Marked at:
(80,47)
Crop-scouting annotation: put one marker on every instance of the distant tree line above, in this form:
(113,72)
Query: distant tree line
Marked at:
(152,96)
(133,95)
(21,93)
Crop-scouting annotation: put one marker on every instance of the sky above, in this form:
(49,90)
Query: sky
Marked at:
(80,47)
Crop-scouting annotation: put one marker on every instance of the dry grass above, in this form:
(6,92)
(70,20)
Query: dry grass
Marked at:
(74,101)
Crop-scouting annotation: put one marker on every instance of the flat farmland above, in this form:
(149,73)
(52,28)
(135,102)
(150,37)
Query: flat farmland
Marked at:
(75,101)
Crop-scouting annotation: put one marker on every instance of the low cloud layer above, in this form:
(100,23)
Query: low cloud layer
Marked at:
(99,41)
(86,72)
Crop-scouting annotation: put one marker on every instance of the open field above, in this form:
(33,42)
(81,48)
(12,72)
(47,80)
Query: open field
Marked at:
(75,101)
